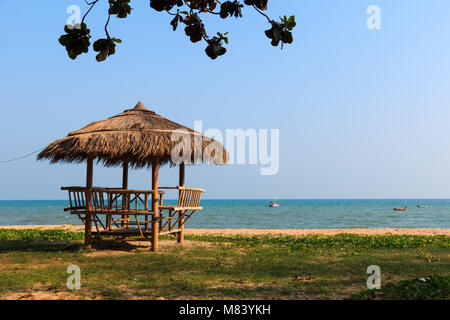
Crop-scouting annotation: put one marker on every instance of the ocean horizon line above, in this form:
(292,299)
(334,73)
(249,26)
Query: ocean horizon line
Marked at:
(247,199)
(256,213)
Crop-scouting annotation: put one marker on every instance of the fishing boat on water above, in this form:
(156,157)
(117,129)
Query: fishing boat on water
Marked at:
(274,204)
(401,209)
(422,206)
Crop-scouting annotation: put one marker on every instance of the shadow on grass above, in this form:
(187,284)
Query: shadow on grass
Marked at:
(39,246)
(117,245)
(68,246)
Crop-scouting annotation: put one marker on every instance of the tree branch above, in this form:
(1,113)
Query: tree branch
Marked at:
(265,15)
(92,4)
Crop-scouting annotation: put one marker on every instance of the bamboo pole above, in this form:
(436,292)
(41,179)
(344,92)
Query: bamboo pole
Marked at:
(155,207)
(125,175)
(88,219)
(180,235)
(124,186)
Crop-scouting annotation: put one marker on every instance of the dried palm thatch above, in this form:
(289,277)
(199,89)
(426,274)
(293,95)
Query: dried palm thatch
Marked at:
(139,136)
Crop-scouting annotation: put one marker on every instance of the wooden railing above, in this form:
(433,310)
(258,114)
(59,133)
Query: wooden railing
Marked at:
(116,209)
(175,216)
(111,200)
(188,197)
(77,198)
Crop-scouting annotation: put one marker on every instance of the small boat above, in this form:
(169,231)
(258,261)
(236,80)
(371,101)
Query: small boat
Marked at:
(422,206)
(274,204)
(401,209)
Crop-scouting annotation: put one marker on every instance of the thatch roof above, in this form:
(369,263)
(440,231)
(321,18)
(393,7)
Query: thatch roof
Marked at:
(139,136)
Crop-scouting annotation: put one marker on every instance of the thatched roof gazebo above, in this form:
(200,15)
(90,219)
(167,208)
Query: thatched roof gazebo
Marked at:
(135,138)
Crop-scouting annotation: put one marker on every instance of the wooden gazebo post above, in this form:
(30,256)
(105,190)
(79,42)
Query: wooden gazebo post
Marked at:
(88,217)
(124,186)
(155,207)
(180,235)
(125,175)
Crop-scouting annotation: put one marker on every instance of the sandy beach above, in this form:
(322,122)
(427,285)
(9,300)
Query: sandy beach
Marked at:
(254,232)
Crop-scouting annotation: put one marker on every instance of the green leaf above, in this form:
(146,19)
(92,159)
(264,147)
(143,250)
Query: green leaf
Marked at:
(290,23)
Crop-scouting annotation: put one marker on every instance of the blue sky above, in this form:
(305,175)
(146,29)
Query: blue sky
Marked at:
(361,113)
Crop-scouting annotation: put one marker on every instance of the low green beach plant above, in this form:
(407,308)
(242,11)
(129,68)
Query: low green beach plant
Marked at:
(39,235)
(292,242)
(335,241)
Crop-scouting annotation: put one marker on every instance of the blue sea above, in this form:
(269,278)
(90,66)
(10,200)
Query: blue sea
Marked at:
(297,214)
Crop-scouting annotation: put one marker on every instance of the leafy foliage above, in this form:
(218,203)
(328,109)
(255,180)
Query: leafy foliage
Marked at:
(215,48)
(120,8)
(35,235)
(188,12)
(231,9)
(195,28)
(338,241)
(281,31)
(260,4)
(105,47)
(76,39)
(429,257)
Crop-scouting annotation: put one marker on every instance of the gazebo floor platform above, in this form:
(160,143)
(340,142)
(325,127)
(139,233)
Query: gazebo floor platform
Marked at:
(133,232)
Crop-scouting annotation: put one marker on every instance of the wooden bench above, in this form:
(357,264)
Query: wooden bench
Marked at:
(188,202)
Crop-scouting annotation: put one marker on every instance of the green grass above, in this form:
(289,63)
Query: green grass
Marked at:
(341,240)
(283,267)
(36,234)
(427,288)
